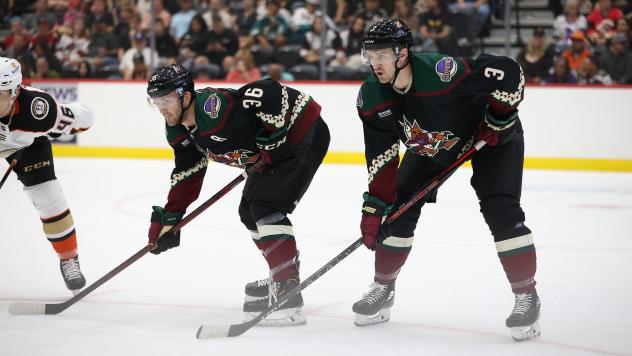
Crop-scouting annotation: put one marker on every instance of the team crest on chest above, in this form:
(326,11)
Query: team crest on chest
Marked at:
(39,108)
(212,106)
(237,158)
(446,69)
(425,143)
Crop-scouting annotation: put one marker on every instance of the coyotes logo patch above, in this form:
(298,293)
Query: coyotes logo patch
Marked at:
(237,158)
(425,143)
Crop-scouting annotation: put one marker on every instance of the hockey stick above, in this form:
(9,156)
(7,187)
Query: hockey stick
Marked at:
(219,331)
(56,308)
(14,161)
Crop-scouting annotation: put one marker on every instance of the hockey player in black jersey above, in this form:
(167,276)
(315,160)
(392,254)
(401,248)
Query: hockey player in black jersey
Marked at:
(28,119)
(261,120)
(438,106)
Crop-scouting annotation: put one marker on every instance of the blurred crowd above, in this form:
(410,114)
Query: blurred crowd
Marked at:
(245,40)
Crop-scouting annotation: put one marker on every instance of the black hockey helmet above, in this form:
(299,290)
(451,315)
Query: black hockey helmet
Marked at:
(173,77)
(391,33)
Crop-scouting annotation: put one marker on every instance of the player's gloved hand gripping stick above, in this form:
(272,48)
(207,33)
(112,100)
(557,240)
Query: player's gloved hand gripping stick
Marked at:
(218,331)
(12,164)
(56,308)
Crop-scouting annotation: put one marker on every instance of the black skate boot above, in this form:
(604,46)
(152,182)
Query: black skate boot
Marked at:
(257,290)
(375,305)
(72,274)
(523,321)
(290,313)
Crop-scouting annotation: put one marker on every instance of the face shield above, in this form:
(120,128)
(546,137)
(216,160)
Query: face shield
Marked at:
(375,56)
(162,102)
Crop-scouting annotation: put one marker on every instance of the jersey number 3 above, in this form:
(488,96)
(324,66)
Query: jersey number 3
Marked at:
(494,73)
(253,93)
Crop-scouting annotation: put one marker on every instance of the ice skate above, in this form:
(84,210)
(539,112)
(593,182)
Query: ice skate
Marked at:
(71,273)
(523,321)
(289,314)
(256,290)
(375,305)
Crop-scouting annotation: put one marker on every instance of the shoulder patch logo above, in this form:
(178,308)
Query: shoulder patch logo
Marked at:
(212,106)
(446,69)
(39,108)
(359,100)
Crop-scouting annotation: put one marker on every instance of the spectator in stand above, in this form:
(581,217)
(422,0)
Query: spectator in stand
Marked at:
(403,10)
(20,48)
(478,8)
(123,26)
(140,70)
(623,27)
(601,21)
(371,12)
(244,69)
(84,70)
(311,46)
(578,51)
(617,62)
(25,64)
(17,28)
(246,17)
(73,46)
(276,72)
(349,54)
(222,42)
(165,43)
(436,29)
(591,73)
(32,19)
(303,18)
(99,12)
(43,70)
(73,11)
(568,23)
(340,10)
(160,13)
(41,49)
(139,45)
(44,33)
(271,30)
(215,8)
(196,37)
(103,44)
(181,21)
(561,74)
(537,58)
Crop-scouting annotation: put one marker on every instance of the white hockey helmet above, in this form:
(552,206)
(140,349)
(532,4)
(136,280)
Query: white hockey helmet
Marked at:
(10,75)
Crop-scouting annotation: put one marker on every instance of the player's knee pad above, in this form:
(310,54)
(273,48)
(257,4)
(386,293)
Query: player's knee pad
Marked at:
(57,222)
(246,217)
(504,216)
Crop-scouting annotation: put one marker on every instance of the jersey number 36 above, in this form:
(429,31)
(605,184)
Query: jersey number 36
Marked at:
(254,93)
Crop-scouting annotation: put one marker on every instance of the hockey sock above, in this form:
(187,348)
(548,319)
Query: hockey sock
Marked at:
(390,256)
(276,242)
(57,221)
(518,257)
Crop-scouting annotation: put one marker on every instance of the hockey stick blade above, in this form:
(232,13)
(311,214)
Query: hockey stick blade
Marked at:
(219,331)
(56,308)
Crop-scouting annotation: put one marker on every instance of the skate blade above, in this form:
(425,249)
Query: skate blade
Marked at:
(524,333)
(285,317)
(380,317)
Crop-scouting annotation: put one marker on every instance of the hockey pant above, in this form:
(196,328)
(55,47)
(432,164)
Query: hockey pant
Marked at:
(36,170)
(270,196)
(497,180)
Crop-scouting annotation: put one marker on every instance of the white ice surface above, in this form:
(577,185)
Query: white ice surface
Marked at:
(452,295)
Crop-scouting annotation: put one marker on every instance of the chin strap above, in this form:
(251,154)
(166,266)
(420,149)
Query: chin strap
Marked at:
(397,70)
(183,108)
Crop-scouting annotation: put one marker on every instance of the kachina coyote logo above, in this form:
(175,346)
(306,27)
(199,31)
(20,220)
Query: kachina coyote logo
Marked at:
(237,158)
(426,143)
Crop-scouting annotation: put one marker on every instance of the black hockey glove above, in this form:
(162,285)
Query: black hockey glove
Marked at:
(159,235)
(496,131)
(275,147)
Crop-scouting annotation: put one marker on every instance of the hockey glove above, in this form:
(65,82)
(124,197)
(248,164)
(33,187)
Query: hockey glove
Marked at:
(159,235)
(274,148)
(495,131)
(373,212)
